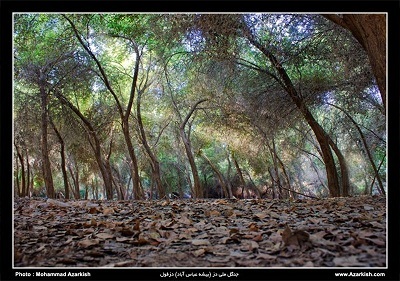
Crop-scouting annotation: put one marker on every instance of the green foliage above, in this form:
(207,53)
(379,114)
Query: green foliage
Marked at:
(185,58)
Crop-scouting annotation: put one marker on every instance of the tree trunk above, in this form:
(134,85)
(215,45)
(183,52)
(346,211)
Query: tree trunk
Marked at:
(120,187)
(323,140)
(187,174)
(370,31)
(274,157)
(117,184)
(75,180)
(28,174)
(228,174)
(273,183)
(17,188)
(62,155)
(239,172)
(381,190)
(253,186)
(48,178)
(344,171)
(197,188)
(64,171)
(135,169)
(86,192)
(96,186)
(21,189)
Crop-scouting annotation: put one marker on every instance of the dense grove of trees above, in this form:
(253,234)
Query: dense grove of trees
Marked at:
(139,106)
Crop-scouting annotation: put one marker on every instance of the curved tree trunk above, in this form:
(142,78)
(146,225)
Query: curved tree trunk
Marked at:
(253,186)
(62,155)
(344,171)
(239,172)
(273,190)
(324,143)
(137,194)
(370,31)
(118,184)
(228,174)
(75,180)
(197,188)
(275,155)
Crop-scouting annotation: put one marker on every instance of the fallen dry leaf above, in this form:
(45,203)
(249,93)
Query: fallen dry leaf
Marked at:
(295,238)
(200,242)
(104,235)
(88,242)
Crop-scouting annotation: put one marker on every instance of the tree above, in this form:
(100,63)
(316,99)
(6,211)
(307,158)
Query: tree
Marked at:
(93,138)
(324,140)
(120,26)
(367,149)
(37,66)
(198,191)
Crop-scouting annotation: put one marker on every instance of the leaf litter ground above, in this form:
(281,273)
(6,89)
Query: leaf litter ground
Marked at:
(338,232)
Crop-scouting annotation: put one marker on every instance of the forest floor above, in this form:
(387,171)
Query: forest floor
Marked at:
(338,232)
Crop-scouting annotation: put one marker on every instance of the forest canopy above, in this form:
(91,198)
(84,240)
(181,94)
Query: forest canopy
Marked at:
(148,106)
